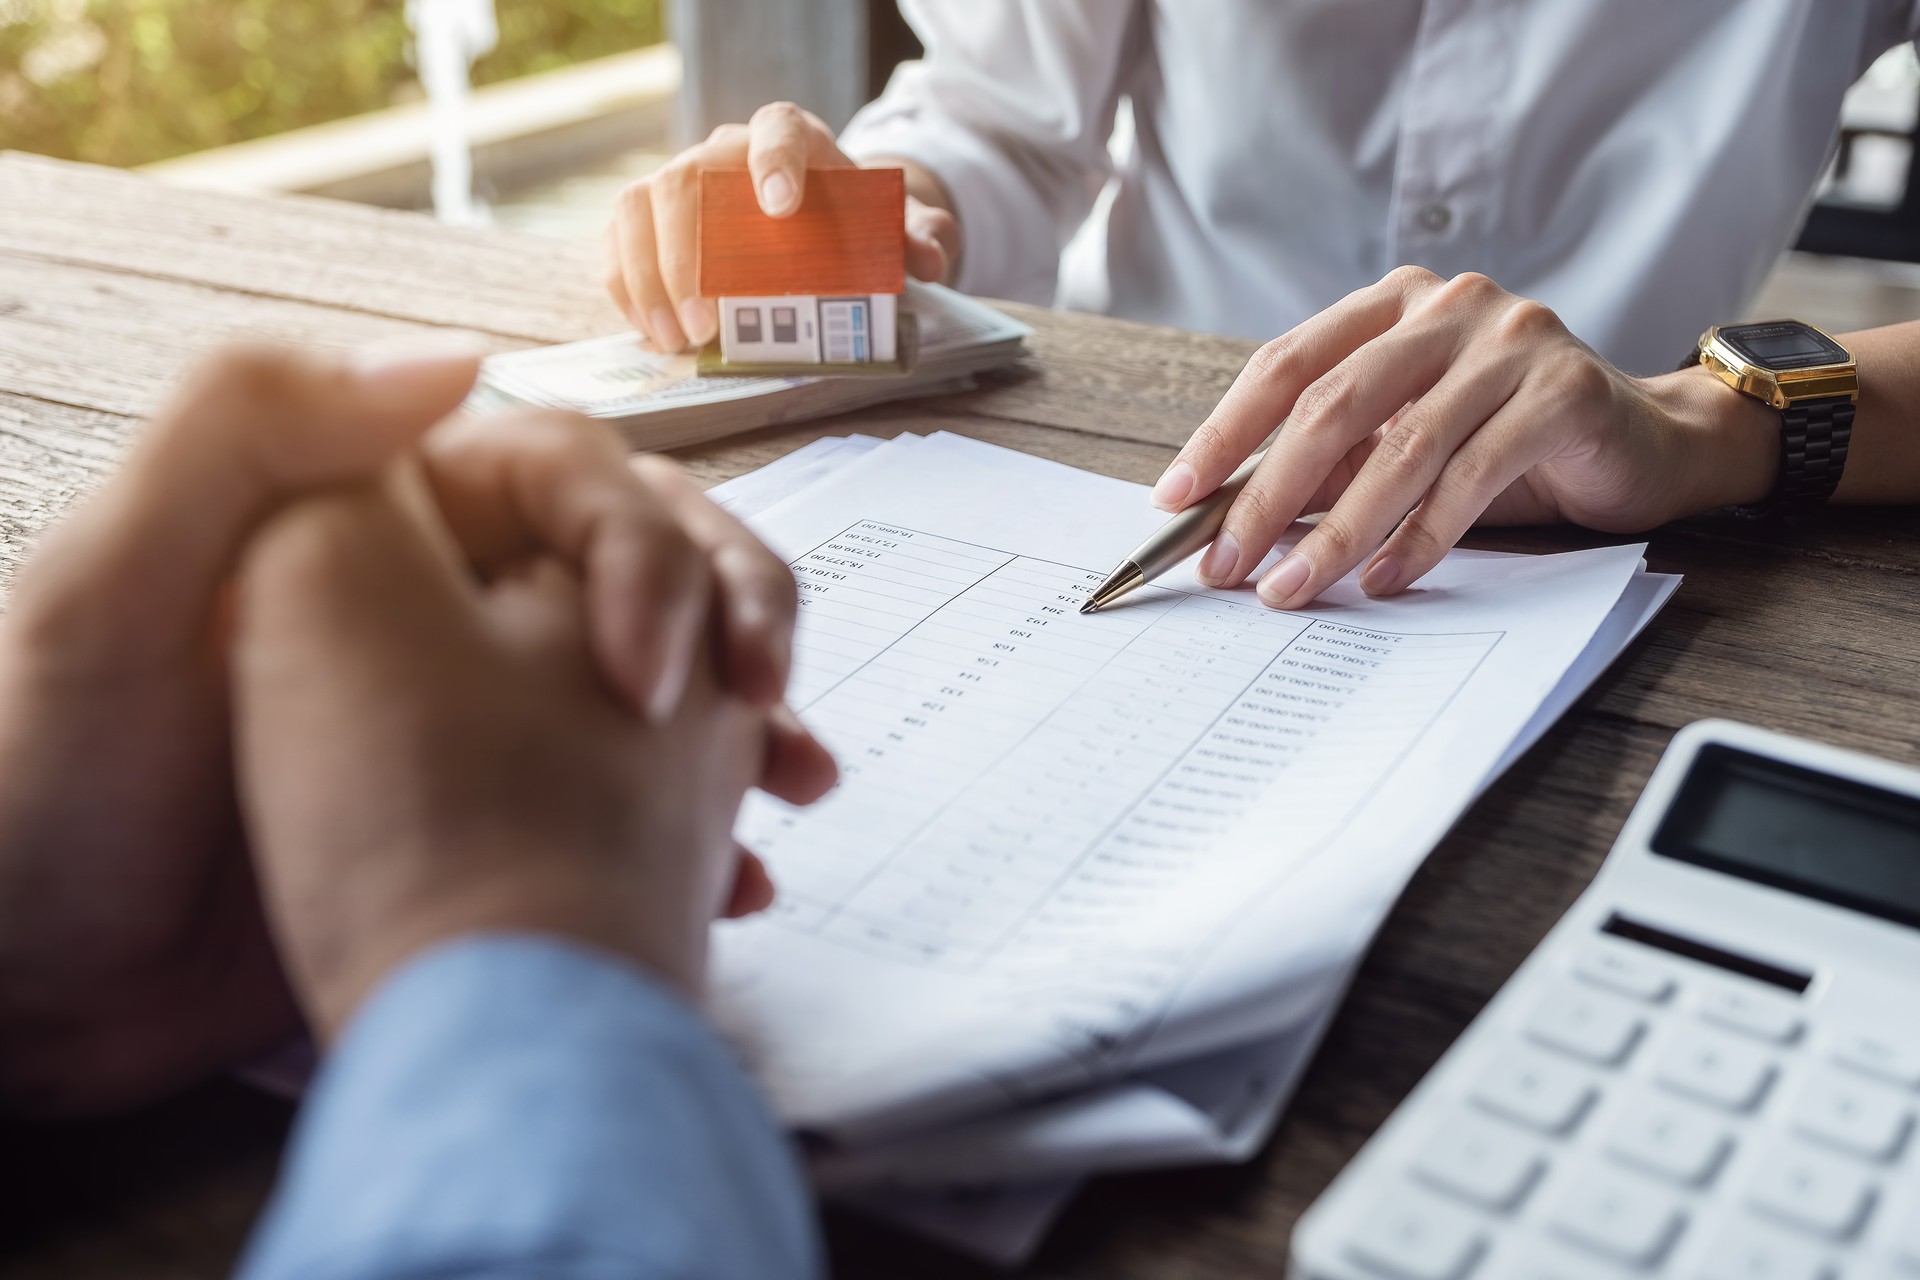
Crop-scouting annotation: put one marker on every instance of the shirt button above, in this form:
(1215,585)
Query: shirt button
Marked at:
(1435,217)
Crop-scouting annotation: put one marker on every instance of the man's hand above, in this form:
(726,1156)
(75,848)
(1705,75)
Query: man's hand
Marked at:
(133,954)
(1418,406)
(653,240)
(133,957)
(427,754)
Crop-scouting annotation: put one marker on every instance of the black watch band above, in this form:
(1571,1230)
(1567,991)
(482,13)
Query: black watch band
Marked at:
(1814,435)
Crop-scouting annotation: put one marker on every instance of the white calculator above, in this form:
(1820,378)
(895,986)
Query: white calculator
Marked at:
(1709,1069)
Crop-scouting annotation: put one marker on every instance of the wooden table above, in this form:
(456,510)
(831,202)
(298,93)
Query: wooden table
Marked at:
(108,285)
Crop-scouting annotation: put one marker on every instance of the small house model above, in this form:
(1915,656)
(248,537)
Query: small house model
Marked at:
(819,287)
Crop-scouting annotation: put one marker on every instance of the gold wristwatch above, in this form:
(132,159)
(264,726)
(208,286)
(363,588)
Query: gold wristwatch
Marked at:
(1812,381)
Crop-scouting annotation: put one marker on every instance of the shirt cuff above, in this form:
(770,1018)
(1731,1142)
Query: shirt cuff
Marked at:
(508,1105)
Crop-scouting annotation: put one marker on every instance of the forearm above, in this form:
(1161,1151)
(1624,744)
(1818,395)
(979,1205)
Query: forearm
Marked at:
(1883,460)
(518,1106)
(1730,442)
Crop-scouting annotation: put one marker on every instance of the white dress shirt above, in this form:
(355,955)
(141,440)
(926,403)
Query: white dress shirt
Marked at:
(1635,164)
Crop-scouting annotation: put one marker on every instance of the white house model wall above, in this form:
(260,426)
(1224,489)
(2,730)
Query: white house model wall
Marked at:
(802,329)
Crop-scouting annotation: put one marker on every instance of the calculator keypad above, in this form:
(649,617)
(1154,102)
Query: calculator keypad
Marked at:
(1616,1215)
(1641,1122)
(1895,1061)
(1747,1250)
(1540,1092)
(1481,1160)
(1714,1068)
(1856,1116)
(1586,1024)
(1819,1193)
(1750,1013)
(1416,1238)
(1678,1142)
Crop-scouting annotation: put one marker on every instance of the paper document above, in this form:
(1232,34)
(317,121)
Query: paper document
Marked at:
(1070,848)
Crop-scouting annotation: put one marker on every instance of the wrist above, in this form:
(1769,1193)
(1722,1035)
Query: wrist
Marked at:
(1728,442)
(338,969)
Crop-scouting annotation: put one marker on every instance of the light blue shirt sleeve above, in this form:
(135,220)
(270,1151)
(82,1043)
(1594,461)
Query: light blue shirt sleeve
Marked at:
(513,1106)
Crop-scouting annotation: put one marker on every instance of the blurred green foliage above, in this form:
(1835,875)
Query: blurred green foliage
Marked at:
(125,82)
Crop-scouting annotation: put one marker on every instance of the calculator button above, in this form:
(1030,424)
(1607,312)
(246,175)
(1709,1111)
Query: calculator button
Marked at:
(1905,1238)
(1854,1115)
(1798,1186)
(1480,1160)
(1753,1014)
(1616,1216)
(1546,1261)
(1895,1061)
(1415,1237)
(1586,1024)
(1751,1251)
(1629,975)
(1715,1068)
(1537,1090)
(1676,1141)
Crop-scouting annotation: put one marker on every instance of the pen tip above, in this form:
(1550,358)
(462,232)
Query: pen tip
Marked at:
(1088,606)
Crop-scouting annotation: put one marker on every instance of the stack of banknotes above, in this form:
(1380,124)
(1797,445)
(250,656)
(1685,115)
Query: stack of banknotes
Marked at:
(661,401)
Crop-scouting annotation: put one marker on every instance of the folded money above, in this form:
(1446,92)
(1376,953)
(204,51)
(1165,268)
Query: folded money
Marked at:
(663,402)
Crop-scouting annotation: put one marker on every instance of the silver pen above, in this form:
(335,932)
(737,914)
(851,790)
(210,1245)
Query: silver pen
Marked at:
(1174,541)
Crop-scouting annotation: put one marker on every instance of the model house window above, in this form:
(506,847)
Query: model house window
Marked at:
(746,324)
(785,327)
(843,330)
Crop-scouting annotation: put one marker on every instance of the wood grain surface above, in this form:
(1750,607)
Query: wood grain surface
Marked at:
(109,285)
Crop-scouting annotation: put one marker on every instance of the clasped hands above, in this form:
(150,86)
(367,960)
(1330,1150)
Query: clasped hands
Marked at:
(322,677)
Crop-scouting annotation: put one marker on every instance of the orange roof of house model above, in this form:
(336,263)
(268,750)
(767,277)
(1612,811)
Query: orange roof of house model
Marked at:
(848,237)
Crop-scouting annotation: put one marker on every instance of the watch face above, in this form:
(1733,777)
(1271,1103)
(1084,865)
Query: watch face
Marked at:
(1783,344)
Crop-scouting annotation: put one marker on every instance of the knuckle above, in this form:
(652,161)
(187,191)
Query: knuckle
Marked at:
(1415,540)
(1407,446)
(1410,278)
(1467,291)
(1254,518)
(1581,379)
(1335,542)
(727,135)
(1323,404)
(635,198)
(784,116)
(1528,321)
(1209,440)
(1275,360)
(674,179)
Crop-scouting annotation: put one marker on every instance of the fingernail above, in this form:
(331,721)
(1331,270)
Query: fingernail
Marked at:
(1217,566)
(1381,577)
(693,320)
(666,330)
(776,193)
(1173,487)
(1284,580)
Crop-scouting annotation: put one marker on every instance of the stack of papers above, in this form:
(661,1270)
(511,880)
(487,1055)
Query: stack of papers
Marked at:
(1092,887)
(661,402)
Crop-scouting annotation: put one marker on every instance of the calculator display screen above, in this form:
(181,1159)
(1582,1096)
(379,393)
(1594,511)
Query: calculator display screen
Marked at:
(1829,838)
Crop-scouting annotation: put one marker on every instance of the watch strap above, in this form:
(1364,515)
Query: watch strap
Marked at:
(1814,435)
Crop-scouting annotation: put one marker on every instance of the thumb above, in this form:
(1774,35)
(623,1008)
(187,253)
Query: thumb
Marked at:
(250,428)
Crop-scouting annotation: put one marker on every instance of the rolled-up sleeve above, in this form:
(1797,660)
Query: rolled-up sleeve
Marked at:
(516,1106)
(1011,109)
